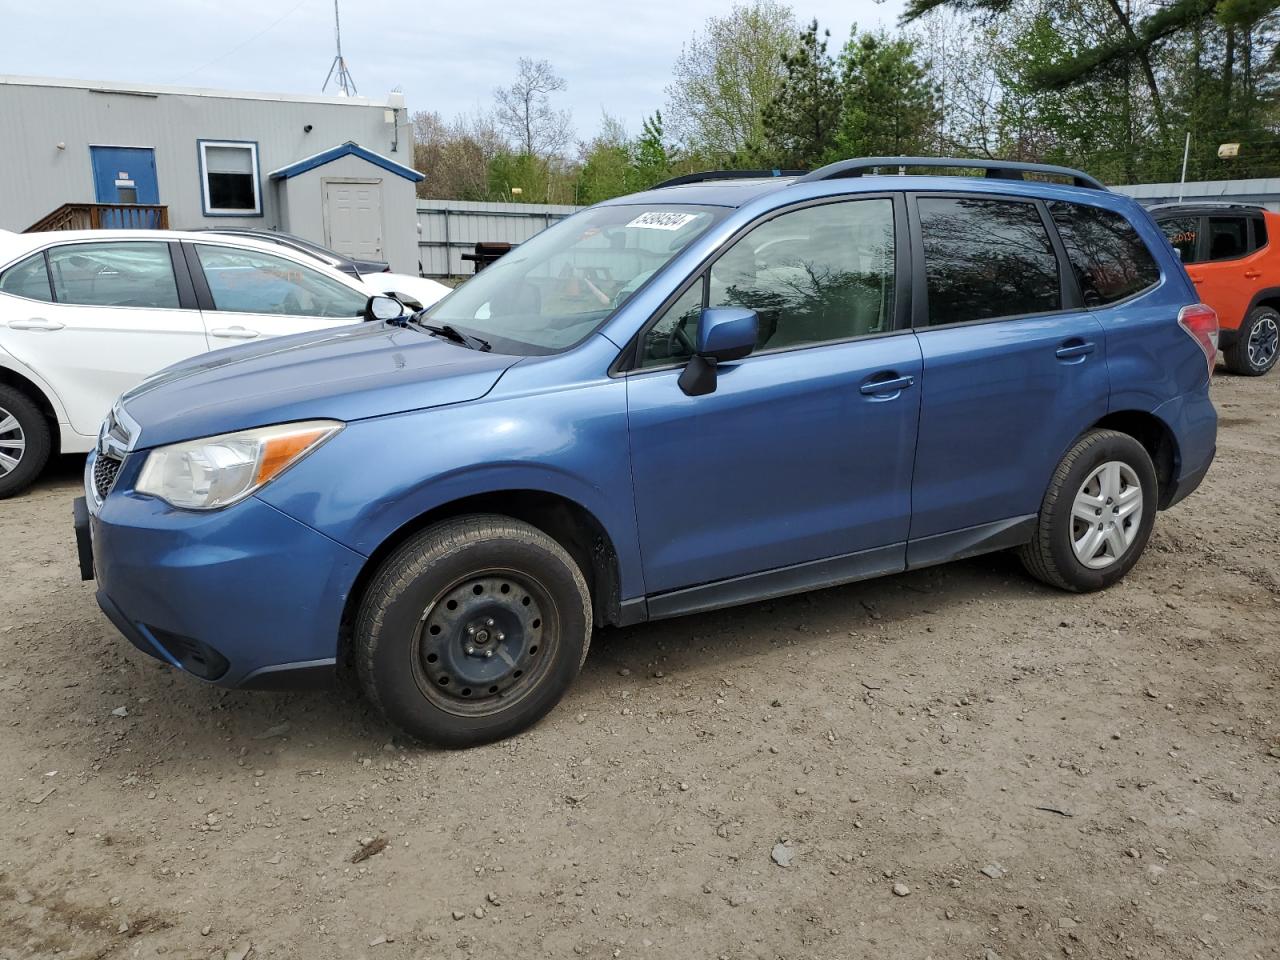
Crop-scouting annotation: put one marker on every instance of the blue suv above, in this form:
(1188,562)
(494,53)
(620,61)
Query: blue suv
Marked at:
(709,393)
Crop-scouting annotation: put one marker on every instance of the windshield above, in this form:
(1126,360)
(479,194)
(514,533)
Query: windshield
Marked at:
(553,291)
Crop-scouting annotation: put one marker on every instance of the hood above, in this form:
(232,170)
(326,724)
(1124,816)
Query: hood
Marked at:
(345,373)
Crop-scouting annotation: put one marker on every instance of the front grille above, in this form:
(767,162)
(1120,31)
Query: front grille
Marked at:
(105,469)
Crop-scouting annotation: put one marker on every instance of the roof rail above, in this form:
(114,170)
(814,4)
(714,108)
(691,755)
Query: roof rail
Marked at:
(726,175)
(1213,204)
(998,169)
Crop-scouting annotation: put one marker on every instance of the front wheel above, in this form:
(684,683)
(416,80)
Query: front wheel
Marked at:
(1257,344)
(472,630)
(1096,516)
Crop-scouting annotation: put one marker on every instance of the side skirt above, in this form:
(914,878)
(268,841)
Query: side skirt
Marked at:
(800,578)
(820,574)
(971,541)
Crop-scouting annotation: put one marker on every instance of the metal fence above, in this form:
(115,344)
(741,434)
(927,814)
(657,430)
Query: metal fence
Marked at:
(449,228)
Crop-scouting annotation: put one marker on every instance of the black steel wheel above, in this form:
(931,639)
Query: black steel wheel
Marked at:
(482,645)
(472,630)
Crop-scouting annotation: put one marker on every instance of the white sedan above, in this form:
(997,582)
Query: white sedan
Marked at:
(86,315)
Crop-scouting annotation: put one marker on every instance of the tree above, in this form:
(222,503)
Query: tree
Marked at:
(652,161)
(801,122)
(726,76)
(524,111)
(606,163)
(454,157)
(890,103)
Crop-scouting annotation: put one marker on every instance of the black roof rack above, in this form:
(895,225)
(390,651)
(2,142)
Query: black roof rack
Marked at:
(1193,205)
(726,175)
(998,169)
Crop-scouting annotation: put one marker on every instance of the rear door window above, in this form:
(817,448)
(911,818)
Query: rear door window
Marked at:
(114,274)
(1108,258)
(1259,233)
(29,279)
(1228,237)
(1184,235)
(986,258)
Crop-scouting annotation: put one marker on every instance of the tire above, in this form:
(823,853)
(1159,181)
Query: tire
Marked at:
(1084,479)
(27,439)
(472,630)
(1257,344)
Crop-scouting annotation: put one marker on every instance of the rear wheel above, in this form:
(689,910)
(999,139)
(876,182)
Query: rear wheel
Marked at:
(473,630)
(25,441)
(1257,344)
(1097,514)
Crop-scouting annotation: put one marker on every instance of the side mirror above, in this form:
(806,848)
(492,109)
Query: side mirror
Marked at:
(382,307)
(724,334)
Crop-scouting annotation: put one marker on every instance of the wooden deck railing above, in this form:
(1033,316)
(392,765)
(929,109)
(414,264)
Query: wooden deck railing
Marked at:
(104,216)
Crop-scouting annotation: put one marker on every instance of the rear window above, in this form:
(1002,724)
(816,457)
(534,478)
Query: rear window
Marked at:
(1109,259)
(985,259)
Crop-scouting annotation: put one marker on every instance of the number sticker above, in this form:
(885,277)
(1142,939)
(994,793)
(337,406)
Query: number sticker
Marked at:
(655,220)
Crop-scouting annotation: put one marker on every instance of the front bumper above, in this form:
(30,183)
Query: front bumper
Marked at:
(241,597)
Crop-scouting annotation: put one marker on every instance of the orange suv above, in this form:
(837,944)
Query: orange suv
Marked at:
(1226,250)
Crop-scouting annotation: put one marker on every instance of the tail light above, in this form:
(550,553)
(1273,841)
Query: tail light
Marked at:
(1201,324)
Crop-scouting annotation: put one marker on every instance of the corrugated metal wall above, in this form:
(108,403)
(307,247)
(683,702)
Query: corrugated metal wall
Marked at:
(449,228)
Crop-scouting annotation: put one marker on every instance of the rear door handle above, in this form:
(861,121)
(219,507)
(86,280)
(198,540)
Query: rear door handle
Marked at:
(36,323)
(886,388)
(1071,351)
(234,333)
(1252,274)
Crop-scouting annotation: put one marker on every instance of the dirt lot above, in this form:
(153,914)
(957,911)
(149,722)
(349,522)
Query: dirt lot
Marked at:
(1046,775)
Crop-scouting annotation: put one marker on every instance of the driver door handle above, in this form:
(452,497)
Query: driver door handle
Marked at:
(36,323)
(234,333)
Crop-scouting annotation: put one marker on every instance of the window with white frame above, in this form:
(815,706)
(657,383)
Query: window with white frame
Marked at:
(229,175)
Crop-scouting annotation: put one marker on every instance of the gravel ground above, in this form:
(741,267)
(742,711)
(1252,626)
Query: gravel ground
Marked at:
(952,763)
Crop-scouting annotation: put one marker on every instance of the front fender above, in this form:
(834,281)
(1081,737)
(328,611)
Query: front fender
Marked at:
(378,475)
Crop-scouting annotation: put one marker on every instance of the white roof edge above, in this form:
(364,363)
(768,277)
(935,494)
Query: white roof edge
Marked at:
(151,89)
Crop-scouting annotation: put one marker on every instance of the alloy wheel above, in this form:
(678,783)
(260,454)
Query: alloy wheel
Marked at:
(1264,340)
(13,442)
(1106,515)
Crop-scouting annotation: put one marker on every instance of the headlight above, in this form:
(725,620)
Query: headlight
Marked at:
(219,471)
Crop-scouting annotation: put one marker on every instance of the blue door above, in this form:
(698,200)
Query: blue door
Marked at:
(124,175)
(1013,373)
(804,450)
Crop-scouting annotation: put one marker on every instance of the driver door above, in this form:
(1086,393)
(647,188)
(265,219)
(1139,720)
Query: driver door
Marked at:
(804,451)
(246,294)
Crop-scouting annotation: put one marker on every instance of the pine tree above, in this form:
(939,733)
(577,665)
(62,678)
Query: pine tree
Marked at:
(890,103)
(800,123)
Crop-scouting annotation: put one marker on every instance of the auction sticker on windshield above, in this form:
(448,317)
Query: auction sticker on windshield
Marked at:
(657,220)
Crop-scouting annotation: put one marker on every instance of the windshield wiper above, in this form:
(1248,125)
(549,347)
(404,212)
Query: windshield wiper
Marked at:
(450,332)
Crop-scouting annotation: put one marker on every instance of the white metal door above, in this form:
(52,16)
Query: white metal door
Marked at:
(353,217)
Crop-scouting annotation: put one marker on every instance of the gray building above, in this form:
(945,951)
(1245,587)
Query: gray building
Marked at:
(335,170)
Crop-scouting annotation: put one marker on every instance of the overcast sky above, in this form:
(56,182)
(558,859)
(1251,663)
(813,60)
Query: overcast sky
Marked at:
(445,56)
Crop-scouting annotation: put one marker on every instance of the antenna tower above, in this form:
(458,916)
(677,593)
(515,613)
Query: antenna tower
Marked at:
(338,71)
